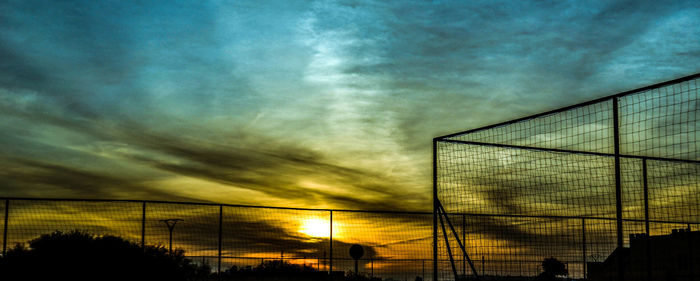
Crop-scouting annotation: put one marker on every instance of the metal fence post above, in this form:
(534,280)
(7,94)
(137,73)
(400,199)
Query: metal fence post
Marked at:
(483,265)
(618,186)
(464,242)
(646,195)
(435,198)
(618,180)
(143,225)
(646,218)
(4,228)
(221,224)
(583,238)
(330,250)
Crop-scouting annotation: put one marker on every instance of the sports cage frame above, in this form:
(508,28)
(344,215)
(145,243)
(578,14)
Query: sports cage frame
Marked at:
(575,183)
(570,183)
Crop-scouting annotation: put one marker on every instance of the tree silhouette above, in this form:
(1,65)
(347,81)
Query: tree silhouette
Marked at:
(552,268)
(81,256)
(555,267)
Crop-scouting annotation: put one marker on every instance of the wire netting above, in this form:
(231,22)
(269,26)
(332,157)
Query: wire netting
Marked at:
(585,128)
(28,219)
(254,235)
(547,186)
(196,233)
(661,122)
(397,245)
(483,179)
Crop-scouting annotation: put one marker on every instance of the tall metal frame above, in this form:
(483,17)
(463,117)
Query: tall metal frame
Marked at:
(438,210)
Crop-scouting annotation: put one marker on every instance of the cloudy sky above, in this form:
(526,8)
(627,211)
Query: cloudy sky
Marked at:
(299,103)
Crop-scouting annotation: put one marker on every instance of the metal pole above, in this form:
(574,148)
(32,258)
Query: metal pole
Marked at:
(618,186)
(464,241)
(171,226)
(454,232)
(221,229)
(447,245)
(583,237)
(483,265)
(143,225)
(646,195)
(170,248)
(648,257)
(4,228)
(435,210)
(618,180)
(330,250)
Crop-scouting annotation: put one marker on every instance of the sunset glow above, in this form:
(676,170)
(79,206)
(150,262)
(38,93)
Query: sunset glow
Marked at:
(318,228)
(283,133)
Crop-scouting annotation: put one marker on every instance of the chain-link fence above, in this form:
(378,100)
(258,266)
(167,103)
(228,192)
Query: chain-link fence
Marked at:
(577,184)
(396,244)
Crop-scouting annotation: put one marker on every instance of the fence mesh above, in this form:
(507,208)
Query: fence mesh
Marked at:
(397,245)
(547,186)
(27,219)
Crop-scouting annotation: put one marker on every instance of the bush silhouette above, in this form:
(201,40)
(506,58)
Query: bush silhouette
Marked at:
(552,268)
(282,266)
(274,270)
(79,255)
(555,267)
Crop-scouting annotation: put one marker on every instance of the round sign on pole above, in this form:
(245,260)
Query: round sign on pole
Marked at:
(356,251)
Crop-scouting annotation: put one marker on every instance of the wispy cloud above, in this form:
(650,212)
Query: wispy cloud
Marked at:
(303,103)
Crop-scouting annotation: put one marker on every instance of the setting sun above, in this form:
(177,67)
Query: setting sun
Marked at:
(315,227)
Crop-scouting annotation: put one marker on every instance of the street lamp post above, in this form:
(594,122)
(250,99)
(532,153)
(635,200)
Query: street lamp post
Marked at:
(171,226)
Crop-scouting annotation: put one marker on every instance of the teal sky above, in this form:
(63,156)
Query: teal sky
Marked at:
(308,103)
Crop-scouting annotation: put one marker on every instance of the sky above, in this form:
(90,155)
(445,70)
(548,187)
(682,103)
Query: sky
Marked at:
(320,104)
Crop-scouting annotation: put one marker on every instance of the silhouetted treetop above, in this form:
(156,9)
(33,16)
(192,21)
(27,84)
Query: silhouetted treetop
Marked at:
(555,267)
(79,255)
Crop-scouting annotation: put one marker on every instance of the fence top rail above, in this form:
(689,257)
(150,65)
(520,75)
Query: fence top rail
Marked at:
(562,109)
(328,210)
(310,257)
(204,203)
(556,150)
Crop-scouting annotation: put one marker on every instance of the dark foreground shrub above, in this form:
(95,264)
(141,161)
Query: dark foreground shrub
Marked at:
(275,270)
(81,256)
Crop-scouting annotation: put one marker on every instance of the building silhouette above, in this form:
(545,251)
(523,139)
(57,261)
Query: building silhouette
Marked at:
(672,257)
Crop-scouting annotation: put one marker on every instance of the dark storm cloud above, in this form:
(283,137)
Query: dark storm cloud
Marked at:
(21,178)
(266,166)
(275,172)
